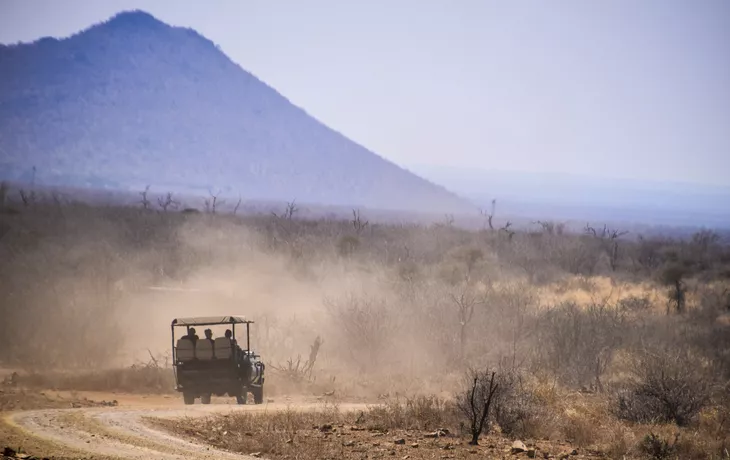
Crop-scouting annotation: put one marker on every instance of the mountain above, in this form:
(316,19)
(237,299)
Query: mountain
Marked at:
(133,101)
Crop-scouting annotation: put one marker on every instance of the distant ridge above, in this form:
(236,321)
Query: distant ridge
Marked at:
(133,101)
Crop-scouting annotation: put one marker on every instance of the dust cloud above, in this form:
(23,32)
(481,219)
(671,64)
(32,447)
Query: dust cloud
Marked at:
(394,307)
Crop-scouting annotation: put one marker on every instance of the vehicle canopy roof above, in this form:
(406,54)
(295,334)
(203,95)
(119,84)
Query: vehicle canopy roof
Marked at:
(209,320)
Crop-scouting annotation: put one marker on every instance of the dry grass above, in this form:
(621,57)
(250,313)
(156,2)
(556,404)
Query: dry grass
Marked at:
(584,291)
(20,399)
(145,380)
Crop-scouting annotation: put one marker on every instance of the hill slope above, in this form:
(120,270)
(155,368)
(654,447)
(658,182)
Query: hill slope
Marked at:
(133,101)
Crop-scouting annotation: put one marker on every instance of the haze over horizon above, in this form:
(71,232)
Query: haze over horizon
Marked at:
(617,89)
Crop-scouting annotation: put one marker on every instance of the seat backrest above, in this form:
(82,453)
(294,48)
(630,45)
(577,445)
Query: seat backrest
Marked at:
(204,350)
(185,350)
(222,348)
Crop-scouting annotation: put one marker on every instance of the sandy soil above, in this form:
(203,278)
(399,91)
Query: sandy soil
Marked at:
(123,431)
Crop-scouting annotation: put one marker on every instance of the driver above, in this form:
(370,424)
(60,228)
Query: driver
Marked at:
(229,336)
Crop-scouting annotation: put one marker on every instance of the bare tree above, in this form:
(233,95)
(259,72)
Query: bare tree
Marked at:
(466,297)
(673,275)
(465,301)
(167,202)
(3,193)
(145,202)
(475,403)
(489,215)
(289,212)
(212,203)
(605,233)
(28,198)
(357,222)
(506,229)
(609,239)
(58,199)
(238,204)
(548,227)
(367,323)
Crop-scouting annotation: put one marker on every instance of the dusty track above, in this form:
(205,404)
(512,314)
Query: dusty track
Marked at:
(123,432)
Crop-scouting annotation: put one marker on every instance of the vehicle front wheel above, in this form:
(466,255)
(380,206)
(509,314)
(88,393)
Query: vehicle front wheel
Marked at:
(258,394)
(205,398)
(188,398)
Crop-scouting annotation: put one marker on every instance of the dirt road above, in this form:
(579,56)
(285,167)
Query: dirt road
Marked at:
(123,432)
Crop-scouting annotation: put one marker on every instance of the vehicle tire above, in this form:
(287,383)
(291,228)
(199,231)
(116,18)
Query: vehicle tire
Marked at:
(241,399)
(258,394)
(205,398)
(188,398)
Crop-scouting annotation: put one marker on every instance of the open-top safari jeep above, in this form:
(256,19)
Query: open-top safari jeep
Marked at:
(217,366)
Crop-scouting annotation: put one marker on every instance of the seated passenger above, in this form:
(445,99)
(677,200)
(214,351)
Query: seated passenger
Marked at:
(209,335)
(229,336)
(191,335)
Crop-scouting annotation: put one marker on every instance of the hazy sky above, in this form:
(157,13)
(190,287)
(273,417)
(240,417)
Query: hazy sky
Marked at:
(617,88)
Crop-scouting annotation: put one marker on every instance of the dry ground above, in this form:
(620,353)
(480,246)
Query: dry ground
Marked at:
(298,435)
(105,424)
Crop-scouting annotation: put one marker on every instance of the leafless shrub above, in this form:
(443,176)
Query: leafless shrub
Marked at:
(516,408)
(167,202)
(290,211)
(28,198)
(551,228)
(448,220)
(476,400)
(659,448)
(578,343)
(507,230)
(635,304)
(366,323)
(357,222)
(672,386)
(296,371)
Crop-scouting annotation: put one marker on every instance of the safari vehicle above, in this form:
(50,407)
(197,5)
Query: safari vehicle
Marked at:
(219,366)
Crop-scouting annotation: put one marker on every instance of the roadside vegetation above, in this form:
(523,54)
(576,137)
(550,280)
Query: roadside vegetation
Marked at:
(617,343)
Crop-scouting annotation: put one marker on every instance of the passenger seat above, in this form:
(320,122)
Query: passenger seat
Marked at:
(222,348)
(204,350)
(185,350)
